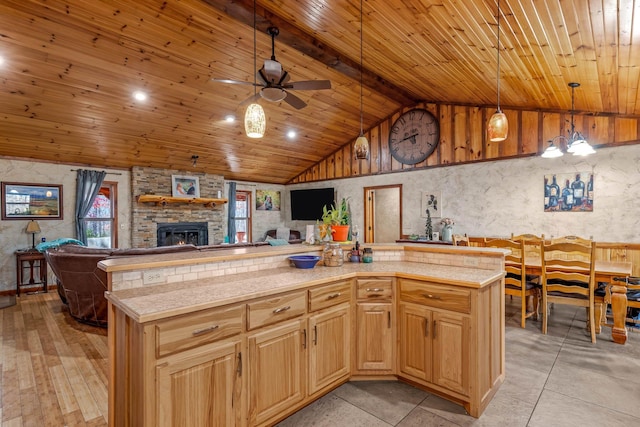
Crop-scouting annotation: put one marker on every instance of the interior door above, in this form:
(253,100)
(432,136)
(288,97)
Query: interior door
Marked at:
(383,213)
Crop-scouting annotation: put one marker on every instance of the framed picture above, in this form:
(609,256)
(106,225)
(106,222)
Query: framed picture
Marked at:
(569,192)
(185,186)
(431,201)
(31,201)
(267,200)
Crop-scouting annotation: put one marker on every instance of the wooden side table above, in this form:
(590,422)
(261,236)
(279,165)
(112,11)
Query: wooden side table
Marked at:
(30,259)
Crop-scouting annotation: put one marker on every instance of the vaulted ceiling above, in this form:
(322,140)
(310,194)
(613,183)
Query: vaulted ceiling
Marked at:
(70,68)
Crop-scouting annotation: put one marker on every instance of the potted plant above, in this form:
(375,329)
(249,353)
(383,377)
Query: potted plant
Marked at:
(337,217)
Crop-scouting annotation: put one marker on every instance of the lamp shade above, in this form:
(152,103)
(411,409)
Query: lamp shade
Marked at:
(33,227)
(498,127)
(552,151)
(361,147)
(254,121)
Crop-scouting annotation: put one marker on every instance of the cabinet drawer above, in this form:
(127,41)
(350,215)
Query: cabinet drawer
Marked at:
(435,295)
(195,329)
(374,288)
(272,310)
(329,295)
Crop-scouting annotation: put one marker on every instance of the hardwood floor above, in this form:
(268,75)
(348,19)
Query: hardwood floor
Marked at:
(54,369)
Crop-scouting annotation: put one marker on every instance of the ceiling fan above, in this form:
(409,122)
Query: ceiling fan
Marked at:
(275,81)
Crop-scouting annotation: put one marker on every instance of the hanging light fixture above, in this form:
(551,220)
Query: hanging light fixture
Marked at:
(361,147)
(254,119)
(576,143)
(498,126)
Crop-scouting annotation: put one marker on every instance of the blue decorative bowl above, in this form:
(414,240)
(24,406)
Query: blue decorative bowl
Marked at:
(304,261)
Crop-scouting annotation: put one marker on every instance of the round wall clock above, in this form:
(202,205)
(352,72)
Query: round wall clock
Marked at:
(414,136)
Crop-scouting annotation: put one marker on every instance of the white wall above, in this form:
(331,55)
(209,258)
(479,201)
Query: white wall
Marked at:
(12,235)
(500,197)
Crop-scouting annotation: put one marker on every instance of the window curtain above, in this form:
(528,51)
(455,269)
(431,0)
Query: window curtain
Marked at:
(231,218)
(87,187)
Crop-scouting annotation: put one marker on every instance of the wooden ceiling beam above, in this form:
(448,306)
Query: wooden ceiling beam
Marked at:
(242,11)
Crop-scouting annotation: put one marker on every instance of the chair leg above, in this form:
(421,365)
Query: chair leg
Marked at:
(536,305)
(545,313)
(598,317)
(592,322)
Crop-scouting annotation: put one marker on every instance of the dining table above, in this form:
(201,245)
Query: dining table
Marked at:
(605,271)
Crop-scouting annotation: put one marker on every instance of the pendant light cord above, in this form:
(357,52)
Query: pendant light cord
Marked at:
(255,51)
(361,110)
(498,49)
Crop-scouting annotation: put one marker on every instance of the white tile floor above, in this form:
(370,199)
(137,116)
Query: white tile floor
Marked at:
(559,379)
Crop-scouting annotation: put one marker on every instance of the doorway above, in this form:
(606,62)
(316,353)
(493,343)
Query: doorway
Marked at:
(383,213)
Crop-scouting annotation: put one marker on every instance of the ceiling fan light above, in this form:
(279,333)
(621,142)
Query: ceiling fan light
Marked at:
(361,148)
(498,127)
(273,94)
(255,121)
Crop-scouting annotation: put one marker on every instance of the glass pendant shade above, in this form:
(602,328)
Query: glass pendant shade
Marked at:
(361,148)
(498,127)
(552,151)
(254,121)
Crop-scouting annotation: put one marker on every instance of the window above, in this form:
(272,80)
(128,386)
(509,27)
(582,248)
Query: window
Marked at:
(101,221)
(243,217)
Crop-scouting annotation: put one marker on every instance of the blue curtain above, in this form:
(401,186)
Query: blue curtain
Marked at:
(87,187)
(231,217)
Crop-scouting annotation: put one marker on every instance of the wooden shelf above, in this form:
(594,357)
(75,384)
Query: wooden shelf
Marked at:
(165,200)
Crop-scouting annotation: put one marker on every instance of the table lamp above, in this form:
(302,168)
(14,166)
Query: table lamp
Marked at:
(33,228)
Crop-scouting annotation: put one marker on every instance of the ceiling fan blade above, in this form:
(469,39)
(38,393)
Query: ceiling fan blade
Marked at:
(235,82)
(250,100)
(309,85)
(294,101)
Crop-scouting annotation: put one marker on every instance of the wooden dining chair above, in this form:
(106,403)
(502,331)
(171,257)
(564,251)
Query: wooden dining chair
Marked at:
(531,243)
(476,241)
(603,297)
(572,239)
(460,240)
(568,277)
(515,282)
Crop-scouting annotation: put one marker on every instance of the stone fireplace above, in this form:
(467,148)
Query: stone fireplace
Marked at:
(148,218)
(181,233)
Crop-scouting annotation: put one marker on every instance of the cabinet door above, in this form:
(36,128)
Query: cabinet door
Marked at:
(414,327)
(201,387)
(451,351)
(329,348)
(277,370)
(374,345)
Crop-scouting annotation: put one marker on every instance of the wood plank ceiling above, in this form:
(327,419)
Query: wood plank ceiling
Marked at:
(70,67)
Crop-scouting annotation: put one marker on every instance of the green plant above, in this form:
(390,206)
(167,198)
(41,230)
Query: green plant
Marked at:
(336,216)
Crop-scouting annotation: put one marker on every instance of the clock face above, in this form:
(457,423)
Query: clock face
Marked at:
(414,136)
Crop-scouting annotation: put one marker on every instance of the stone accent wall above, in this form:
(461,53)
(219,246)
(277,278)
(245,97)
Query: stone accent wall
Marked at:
(146,216)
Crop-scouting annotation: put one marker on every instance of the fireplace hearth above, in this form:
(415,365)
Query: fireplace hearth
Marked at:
(182,233)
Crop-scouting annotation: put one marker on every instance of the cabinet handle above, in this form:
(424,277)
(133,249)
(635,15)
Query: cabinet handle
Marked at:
(374,289)
(304,338)
(315,335)
(239,370)
(434,329)
(204,330)
(389,319)
(426,327)
(336,295)
(431,296)
(281,309)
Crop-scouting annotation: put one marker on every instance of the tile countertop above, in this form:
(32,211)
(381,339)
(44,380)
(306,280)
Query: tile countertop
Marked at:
(156,302)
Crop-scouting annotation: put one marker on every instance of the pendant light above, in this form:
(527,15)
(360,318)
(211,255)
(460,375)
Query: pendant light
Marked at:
(254,119)
(361,147)
(576,143)
(498,126)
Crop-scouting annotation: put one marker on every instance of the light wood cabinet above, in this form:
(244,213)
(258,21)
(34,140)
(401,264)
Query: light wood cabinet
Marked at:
(202,387)
(374,325)
(277,370)
(329,348)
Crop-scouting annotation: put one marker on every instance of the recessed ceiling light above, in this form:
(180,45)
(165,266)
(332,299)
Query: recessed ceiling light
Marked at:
(291,134)
(230,118)
(1,60)
(139,95)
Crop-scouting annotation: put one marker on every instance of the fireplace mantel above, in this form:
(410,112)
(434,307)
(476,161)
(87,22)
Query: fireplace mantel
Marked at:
(164,200)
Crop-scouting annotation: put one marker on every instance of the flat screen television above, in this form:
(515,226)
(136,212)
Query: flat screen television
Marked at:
(306,205)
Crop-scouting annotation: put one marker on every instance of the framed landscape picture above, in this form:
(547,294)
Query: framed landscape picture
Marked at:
(31,201)
(185,186)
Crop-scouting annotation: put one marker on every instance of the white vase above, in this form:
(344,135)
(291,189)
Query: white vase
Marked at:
(447,233)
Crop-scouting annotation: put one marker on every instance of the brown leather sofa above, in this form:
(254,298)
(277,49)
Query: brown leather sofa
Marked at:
(81,284)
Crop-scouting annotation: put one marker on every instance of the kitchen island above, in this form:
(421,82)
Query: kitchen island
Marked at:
(240,337)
